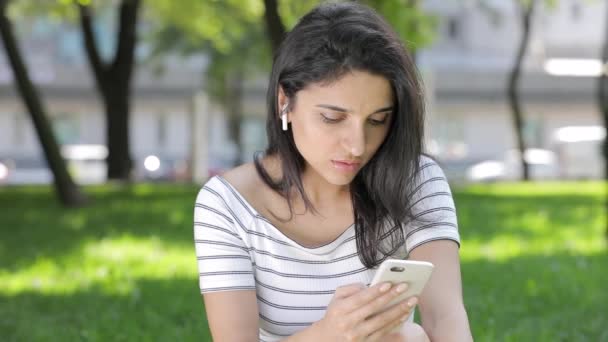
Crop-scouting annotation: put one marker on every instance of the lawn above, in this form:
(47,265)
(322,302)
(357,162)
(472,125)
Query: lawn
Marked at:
(534,264)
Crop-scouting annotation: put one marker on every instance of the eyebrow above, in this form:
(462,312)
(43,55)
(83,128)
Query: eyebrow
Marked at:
(344,110)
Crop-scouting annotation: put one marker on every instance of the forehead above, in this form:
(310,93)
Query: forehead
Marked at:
(355,90)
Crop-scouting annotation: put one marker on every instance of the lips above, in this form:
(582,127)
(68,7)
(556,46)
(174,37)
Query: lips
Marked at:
(346,166)
(347,162)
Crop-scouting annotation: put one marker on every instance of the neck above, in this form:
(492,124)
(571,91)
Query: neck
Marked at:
(321,193)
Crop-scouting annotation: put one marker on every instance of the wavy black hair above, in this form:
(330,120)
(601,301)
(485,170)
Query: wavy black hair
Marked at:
(329,41)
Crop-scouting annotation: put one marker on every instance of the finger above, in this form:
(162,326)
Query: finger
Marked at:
(386,333)
(391,315)
(348,290)
(377,306)
(358,300)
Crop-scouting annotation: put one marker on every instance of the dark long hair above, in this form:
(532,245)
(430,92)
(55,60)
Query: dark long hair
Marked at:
(329,41)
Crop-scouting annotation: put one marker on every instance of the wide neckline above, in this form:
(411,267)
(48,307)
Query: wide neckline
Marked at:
(257,215)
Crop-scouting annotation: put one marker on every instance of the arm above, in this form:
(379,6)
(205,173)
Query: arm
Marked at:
(232,315)
(225,268)
(442,311)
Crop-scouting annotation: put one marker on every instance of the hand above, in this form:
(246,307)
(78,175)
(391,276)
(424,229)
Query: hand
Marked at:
(354,314)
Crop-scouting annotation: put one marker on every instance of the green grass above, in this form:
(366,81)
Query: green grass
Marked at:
(534,264)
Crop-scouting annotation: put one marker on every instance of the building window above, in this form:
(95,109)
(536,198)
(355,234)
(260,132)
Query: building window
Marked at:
(253,137)
(67,128)
(533,133)
(453,28)
(161,130)
(451,142)
(575,11)
(19,131)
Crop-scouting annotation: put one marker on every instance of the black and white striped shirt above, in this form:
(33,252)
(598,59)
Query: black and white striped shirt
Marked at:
(239,249)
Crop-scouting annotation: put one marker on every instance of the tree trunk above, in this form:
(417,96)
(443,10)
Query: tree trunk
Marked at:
(119,159)
(67,191)
(602,100)
(114,83)
(518,121)
(233,103)
(274,25)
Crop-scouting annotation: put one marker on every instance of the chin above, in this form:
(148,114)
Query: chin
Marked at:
(337,178)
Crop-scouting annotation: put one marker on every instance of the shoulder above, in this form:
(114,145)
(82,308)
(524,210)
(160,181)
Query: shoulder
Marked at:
(240,176)
(244,178)
(220,197)
(430,182)
(217,190)
(429,169)
(247,181)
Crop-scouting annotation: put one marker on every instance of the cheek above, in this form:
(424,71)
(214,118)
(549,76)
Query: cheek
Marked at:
(375,140)
(305,128)
(313,139)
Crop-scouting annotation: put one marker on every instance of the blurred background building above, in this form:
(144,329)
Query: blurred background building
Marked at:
(465,70)
(468,68)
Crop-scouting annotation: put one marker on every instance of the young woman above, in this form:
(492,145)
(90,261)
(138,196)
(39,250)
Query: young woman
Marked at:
(287,245)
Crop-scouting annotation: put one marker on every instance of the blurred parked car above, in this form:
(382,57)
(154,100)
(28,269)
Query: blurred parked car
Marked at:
(161,168)
(85,163)
(219,164)
(543,166)
(24,170)
(579,151)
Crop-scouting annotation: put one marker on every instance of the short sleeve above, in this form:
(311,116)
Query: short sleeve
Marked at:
(223,259)
(432,207)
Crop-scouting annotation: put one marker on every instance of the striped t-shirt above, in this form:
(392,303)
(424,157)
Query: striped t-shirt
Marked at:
(239,249)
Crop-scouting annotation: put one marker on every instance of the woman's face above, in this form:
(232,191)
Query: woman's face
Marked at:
(346,120)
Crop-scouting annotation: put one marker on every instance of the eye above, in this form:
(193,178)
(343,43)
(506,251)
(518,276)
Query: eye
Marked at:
(374,122)
(371,121)
(377,122)
(329,120)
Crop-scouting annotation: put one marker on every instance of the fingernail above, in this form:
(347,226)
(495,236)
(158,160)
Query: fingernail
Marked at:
(412,302)
(401,287)
(385,287)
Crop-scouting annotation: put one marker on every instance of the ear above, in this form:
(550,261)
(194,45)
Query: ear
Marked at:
(282,100)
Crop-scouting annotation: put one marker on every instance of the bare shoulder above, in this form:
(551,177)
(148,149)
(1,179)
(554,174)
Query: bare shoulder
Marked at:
(246,179)
(243,177)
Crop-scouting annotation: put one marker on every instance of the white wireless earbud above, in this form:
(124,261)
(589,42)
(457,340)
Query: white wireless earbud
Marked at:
(284,116)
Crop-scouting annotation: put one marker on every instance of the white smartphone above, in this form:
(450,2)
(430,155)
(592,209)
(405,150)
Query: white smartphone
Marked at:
(414,273)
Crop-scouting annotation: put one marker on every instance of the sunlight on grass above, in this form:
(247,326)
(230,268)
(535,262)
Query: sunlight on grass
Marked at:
(543,236)
(520,189)
(504,247)
(511,220)
(114,264)
(533,260)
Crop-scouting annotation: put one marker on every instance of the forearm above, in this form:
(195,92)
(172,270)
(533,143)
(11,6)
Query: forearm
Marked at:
(450,328)
(305,335)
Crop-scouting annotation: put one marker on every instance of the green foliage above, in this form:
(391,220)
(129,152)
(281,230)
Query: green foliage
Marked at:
(416,27)
(124,269)
(57,10)
(233,33)
(220,23)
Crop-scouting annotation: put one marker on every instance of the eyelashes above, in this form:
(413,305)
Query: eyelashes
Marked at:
(371,121)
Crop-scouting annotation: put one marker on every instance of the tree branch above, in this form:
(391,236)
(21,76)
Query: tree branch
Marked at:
(127,36)
(98,66)
(274,25)
(67,191)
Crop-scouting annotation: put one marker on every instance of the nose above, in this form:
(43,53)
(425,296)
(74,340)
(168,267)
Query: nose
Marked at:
(354,140)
